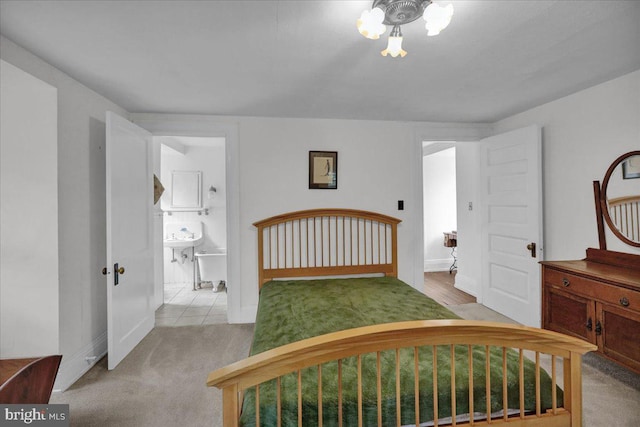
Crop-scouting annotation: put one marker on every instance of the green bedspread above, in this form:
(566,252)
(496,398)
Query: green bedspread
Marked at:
(293,310)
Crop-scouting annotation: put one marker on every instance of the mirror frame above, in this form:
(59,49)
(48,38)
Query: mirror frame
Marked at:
(603,198)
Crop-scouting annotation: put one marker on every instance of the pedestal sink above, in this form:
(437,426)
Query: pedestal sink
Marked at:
(182,235)
(187,242)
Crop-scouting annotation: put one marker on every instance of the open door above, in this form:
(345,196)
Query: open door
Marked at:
(130,305)
(511,221)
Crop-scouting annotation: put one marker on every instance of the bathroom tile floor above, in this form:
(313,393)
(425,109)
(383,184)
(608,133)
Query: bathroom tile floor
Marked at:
(184,307)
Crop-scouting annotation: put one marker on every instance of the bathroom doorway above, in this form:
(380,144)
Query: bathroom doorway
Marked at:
(191,222)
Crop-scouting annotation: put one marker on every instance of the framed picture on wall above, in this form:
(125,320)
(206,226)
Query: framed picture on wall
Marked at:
(631,168)
(323,170)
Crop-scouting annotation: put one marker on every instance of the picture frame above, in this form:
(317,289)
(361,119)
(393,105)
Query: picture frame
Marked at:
(631,168)
(323,170)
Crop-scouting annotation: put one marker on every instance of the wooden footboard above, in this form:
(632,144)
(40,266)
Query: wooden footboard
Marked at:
(292,359)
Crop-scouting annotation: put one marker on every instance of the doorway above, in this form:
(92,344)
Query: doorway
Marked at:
(193,278)
(440,223)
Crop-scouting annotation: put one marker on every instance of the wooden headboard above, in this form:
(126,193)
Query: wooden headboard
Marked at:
(625,214)
(326,242)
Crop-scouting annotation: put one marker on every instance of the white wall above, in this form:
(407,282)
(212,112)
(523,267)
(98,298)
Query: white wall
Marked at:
(439,197)
(374,172)
(210,160)
(81,212)
(379,163)
(28,215)
(582,135)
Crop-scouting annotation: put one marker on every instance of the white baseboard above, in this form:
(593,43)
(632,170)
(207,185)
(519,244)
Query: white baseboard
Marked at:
(433,265)
(466,284)
(246,314)
(75,366)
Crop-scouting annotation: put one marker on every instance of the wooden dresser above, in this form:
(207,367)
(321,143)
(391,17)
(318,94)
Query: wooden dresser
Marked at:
(596,299)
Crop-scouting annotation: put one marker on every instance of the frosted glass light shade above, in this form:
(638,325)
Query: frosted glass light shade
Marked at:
(394,47)
(437,18)
(370,23)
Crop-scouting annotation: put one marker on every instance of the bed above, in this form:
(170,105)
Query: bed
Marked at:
(331,349)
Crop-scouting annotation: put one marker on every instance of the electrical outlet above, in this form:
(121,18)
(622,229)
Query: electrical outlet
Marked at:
(400,205)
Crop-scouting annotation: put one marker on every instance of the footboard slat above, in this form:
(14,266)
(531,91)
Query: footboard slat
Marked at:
(359,390)
(410,342)
(398,410)
(379,387)
(537,383)
(469,351)
(453,385)
(521,379)
(320,395)
(488,380)
(279,401)
(435,386)
(554,394)
(258,405)
(416,379)
(299,398)
(340,393)
(505,397)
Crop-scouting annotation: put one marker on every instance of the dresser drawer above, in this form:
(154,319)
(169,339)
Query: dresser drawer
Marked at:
(621,297)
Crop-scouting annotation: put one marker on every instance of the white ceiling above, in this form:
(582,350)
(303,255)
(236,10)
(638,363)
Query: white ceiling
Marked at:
(306,58)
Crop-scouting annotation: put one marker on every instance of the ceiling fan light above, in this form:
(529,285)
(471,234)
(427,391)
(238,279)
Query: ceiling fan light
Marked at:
(370,23)
(394,47)
(437,17)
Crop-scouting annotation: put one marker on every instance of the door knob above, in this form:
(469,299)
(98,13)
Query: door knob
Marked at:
(121,270)
(532,247)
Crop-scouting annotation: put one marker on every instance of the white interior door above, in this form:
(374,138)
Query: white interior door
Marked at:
(130,304)
(511,222)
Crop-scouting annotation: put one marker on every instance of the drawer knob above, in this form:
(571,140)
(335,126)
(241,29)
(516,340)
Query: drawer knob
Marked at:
(624,301)
(565,282)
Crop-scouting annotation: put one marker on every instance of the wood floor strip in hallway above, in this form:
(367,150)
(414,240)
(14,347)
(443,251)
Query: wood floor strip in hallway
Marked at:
(439,286)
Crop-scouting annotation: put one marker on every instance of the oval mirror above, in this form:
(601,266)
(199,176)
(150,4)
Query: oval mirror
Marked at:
(621,198)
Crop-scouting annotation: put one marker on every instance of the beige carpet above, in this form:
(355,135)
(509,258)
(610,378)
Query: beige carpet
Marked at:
(162,382)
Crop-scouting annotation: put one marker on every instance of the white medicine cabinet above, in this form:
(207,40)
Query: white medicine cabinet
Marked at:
(186,190)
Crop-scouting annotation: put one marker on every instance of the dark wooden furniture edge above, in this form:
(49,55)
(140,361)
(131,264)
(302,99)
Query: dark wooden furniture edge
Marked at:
(598,199)
(620,259)
(28,380)
(606,266)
